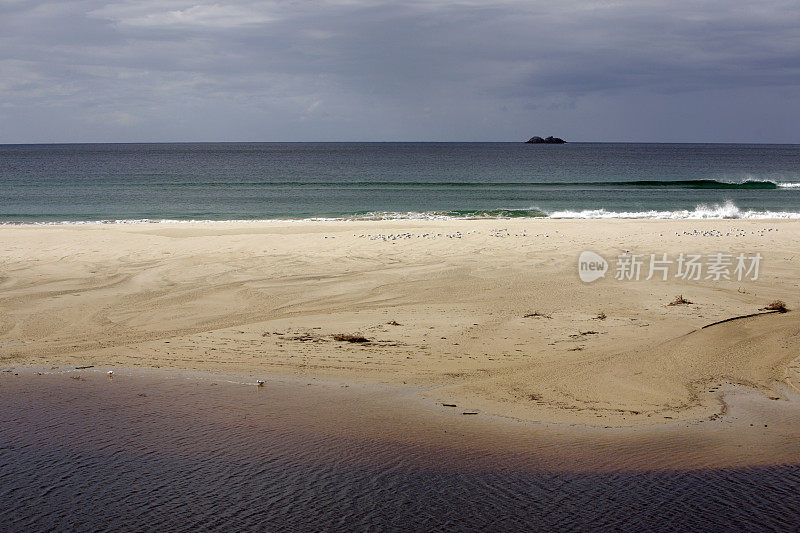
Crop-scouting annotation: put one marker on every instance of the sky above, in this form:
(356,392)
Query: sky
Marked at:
(418,70)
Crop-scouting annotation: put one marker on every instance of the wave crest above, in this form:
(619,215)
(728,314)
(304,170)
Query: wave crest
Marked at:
(448,215)
(702,211)
(752,183)
(728,210)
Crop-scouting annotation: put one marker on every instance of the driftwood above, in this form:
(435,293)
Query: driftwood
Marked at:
(346,337)
(744,316)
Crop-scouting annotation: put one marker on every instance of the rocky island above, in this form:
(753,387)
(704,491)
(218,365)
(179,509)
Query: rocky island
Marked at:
(548,140)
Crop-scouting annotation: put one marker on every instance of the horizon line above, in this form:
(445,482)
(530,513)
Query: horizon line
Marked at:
(68,143)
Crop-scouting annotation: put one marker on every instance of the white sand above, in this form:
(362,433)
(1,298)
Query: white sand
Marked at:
(266,297)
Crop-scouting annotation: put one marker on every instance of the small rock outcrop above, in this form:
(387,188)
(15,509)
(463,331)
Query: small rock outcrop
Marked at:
(548,140)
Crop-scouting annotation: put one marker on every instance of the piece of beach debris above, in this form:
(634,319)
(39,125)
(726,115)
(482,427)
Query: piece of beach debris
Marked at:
(601,316)
(777,305)
(449,405)
(469,413)
(394,323)
(680,300)
(347,337)
(749,315)
(84,367)
(305,337)
(584,333)
(537,314)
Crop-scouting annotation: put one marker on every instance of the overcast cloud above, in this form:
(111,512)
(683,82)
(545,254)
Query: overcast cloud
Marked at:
(94,70)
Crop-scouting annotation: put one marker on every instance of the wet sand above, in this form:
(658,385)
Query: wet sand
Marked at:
(487,314)
(754,431)
(187,450)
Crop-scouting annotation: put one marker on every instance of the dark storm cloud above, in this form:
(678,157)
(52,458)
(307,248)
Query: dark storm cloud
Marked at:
(158,70)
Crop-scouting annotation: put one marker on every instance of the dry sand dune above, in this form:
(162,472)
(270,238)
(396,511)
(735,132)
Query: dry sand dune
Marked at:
(443,303)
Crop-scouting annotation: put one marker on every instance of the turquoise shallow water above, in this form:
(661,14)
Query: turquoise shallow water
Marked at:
(92,182)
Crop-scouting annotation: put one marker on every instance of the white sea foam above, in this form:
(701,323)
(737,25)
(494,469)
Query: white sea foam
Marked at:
(728,210)
(702,211)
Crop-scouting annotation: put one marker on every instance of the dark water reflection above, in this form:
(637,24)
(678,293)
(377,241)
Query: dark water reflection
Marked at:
(145,453)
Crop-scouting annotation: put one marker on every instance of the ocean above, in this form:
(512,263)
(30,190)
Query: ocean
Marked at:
(233,181)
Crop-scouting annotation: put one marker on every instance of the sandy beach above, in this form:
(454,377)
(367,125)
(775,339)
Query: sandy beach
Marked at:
(489,315)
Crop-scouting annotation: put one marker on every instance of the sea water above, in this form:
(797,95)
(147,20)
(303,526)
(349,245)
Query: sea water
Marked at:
(228,181)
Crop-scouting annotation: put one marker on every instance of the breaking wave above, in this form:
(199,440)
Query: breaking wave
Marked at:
(634,184)
(727,210)
(455,214)
(702,211)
